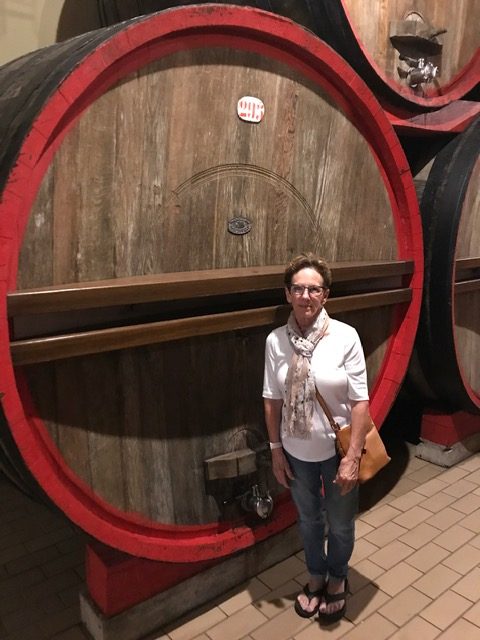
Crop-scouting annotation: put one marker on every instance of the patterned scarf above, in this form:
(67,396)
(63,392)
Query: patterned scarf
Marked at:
(300,383)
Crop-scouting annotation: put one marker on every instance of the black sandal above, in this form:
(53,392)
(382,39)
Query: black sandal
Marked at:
(303,613)
(335,616)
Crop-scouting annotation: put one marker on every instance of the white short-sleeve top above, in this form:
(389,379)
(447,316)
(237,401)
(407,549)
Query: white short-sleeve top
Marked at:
(339,370)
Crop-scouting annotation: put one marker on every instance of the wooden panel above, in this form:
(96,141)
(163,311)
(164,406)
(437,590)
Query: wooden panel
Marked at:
(159,197)
(147,456)
(467,306)
(372,24)
(375,328)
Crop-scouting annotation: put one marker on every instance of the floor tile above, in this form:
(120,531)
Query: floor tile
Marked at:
(362,549)
(281,572)
(474,477)
(407,501)
(437,502)
(470,464)
(413,517)
(454,474)
(363,573)
(462,629)
(420,535)
(391,554)
(405,606)
(469,585)
(425,474)
(197,625)
(376,626)
(445,518)
(443,611)
(475,542)
(431,487)
(460,488)
(472,521)
(243,596)
(402,487)
(463,560)
(427,557)
(398,578)
(276,601)
(282,627)
(365,602)
(379,516)
(454,538)
(473,615)
(437,580)
(332,632)
(416,629)
(361,529)
(238,625)
(384,534)
(468,504)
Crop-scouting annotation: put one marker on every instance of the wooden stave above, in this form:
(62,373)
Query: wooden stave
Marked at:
(144,551)
(441,378)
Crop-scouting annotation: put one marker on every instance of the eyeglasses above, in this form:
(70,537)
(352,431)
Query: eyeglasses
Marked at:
(314,290)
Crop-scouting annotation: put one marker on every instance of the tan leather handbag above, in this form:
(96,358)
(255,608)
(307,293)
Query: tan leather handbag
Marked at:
(374,455)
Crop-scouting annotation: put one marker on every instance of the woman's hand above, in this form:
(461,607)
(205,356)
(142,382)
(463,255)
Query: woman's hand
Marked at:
(281,468)
(347,474)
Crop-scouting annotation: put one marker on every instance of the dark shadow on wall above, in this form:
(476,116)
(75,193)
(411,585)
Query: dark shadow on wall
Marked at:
(76,18)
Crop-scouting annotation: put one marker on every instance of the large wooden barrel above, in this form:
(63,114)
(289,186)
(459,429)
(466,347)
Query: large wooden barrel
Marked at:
(147,209)
(448,343)
(382,41)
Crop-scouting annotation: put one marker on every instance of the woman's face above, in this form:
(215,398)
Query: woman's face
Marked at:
(306,304)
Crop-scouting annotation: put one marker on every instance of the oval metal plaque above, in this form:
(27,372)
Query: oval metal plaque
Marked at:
(239,226)
(250,109)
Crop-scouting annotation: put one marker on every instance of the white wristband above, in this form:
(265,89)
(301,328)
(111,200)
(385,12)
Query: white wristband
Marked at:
(275,445)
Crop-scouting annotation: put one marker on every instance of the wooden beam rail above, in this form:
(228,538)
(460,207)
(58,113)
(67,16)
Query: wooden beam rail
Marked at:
(178,286)
(467,286)
(66,346)
(467,263)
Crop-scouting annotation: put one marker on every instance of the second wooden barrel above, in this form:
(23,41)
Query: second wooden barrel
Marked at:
(385,42)
(151,172)
(448,342)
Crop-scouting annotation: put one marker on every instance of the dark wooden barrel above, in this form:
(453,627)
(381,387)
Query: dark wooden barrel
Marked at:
(448,341)
(380,40)
(114,11)
(144,222)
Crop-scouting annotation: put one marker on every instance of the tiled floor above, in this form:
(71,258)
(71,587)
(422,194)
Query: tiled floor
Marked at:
(415,571)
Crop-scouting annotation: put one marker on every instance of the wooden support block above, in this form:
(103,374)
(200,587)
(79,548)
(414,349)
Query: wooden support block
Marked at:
(446,439)
(168,605)
(231,465)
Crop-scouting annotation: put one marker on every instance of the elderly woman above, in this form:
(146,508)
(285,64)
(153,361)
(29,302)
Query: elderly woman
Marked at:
(313,351)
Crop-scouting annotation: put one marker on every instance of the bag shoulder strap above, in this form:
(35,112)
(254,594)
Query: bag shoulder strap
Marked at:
(327,411)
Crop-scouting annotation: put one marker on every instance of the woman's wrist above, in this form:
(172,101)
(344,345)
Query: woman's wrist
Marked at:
(275,445)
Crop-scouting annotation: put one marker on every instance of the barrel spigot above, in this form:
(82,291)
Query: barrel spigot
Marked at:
(262,505)
(420,71)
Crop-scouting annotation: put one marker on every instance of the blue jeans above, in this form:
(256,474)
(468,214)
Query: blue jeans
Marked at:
(316,509)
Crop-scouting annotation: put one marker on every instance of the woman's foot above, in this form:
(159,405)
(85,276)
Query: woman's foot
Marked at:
(308,600)
(334,602)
